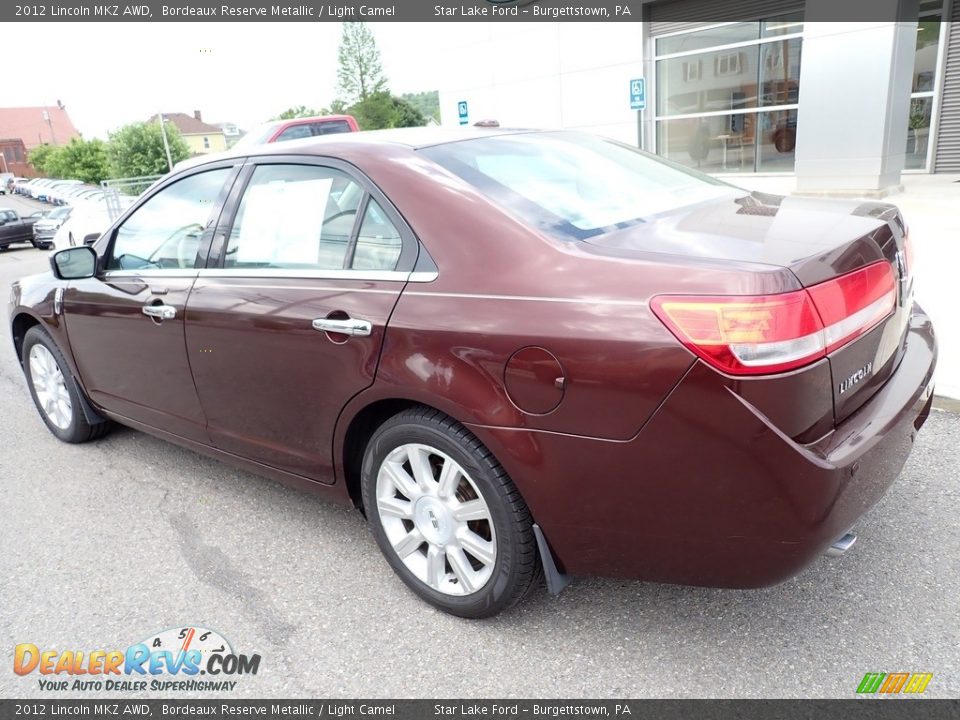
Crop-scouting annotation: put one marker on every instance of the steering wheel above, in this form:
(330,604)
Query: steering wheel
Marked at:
(181,236)
(339,215)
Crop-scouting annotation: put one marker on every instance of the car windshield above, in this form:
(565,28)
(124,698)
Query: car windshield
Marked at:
(59,213)
(572,185)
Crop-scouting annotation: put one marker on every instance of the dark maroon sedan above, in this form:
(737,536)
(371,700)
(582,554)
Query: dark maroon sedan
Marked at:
(515,352)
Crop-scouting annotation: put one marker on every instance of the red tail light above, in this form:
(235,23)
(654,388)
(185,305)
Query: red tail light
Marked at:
(763,334)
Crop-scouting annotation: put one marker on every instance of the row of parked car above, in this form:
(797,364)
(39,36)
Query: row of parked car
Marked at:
(54,191)
(80,210)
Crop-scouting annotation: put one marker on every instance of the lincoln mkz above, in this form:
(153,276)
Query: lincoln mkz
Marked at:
(517,353)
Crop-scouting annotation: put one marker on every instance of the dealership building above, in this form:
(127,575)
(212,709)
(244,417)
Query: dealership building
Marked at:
(841,106)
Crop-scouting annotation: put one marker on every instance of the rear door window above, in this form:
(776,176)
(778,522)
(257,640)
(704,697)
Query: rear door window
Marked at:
(294,217)
(378,242)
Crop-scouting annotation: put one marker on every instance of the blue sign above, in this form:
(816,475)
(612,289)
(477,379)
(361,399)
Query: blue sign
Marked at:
(462,111)
(638,94)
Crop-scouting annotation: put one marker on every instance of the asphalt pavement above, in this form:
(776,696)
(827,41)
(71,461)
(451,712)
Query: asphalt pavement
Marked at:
(107,543)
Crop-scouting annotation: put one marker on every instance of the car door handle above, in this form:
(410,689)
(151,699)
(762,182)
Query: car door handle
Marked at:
(161,312)
(349,326)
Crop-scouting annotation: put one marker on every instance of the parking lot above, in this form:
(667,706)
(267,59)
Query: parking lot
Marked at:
(110,542)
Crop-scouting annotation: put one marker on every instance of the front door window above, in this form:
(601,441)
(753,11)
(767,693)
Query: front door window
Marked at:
(165,232)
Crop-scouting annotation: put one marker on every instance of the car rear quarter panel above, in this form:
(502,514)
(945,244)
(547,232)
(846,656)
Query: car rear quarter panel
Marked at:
(710,492)
(503,286)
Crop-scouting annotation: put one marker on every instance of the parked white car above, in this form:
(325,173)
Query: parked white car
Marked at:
(87,218)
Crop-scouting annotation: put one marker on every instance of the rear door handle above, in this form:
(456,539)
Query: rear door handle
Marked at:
(349,326)
(160,312)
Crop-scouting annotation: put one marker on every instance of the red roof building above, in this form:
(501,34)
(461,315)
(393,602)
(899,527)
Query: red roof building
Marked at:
(37,125)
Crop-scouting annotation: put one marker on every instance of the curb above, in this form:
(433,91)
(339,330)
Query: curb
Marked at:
(951,405)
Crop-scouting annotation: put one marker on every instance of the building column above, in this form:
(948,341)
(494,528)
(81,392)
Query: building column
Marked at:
(855,83)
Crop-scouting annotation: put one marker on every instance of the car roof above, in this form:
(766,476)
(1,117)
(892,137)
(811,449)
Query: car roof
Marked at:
(413,138)
(305,120)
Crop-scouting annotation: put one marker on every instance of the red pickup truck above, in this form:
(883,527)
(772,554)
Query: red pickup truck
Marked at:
(297,128)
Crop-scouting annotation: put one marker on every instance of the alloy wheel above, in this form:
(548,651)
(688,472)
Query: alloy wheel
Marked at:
(50,387)
(436,520)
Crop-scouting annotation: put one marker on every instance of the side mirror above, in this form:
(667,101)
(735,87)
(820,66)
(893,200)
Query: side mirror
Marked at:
(91,238)
(74,263)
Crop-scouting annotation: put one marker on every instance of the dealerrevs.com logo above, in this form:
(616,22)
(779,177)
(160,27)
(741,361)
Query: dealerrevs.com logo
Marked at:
(188,658)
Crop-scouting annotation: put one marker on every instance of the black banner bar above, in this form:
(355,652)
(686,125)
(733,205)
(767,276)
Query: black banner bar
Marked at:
(420,10)
(859,709)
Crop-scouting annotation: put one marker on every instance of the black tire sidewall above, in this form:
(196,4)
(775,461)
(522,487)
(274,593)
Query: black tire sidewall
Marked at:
(78,427)
(498,592)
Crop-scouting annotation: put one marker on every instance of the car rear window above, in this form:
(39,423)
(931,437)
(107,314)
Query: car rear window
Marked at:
(573,185)
(296,132)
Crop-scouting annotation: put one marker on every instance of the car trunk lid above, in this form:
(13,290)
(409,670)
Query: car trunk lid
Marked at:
(817,240)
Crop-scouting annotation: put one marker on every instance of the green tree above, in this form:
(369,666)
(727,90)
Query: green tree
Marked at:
(42,157)
(84,160)
(383,110)
(359,72)
(427,102)
(406,115)
(137,149)
(300,111)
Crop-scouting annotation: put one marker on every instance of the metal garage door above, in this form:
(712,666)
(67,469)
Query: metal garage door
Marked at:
(673,15)
(947,159)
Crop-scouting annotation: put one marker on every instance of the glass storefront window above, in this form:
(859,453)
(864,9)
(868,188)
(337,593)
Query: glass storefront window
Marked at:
(742,142)
(776,141)
(918,132)
(710,37)
(926,63)
(729,79)
(708,82)
(925,60)
(780,72)
(782,25)
(722,88)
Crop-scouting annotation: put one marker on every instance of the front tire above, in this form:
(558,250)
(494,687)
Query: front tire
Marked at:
(446,515)
(54,391)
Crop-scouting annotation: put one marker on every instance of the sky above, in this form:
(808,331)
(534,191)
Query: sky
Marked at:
(111,74)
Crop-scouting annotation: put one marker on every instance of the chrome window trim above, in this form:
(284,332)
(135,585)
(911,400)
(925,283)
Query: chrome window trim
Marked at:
(148,272)
(416,276)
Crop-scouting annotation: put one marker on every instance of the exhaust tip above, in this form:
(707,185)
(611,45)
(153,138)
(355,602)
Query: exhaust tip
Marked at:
(842,545)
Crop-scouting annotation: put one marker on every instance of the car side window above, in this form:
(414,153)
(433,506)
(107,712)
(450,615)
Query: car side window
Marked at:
(294,217)
(331,127)
(378,243)
(165,232)
(295,132)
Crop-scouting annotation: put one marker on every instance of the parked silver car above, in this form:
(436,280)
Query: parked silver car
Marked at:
(45,229)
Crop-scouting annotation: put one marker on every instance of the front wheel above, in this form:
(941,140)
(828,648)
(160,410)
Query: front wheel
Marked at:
(446,515)
(54,391)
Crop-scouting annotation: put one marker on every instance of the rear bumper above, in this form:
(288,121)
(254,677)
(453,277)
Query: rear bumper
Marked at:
(710,492)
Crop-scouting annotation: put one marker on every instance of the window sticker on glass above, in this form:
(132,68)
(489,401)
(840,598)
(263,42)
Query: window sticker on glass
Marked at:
(282,223)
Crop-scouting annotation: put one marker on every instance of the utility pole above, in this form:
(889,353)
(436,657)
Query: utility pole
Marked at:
(166,145)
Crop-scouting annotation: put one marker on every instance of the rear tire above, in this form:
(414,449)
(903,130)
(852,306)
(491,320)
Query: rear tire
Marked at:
(446,515)
(54,391)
